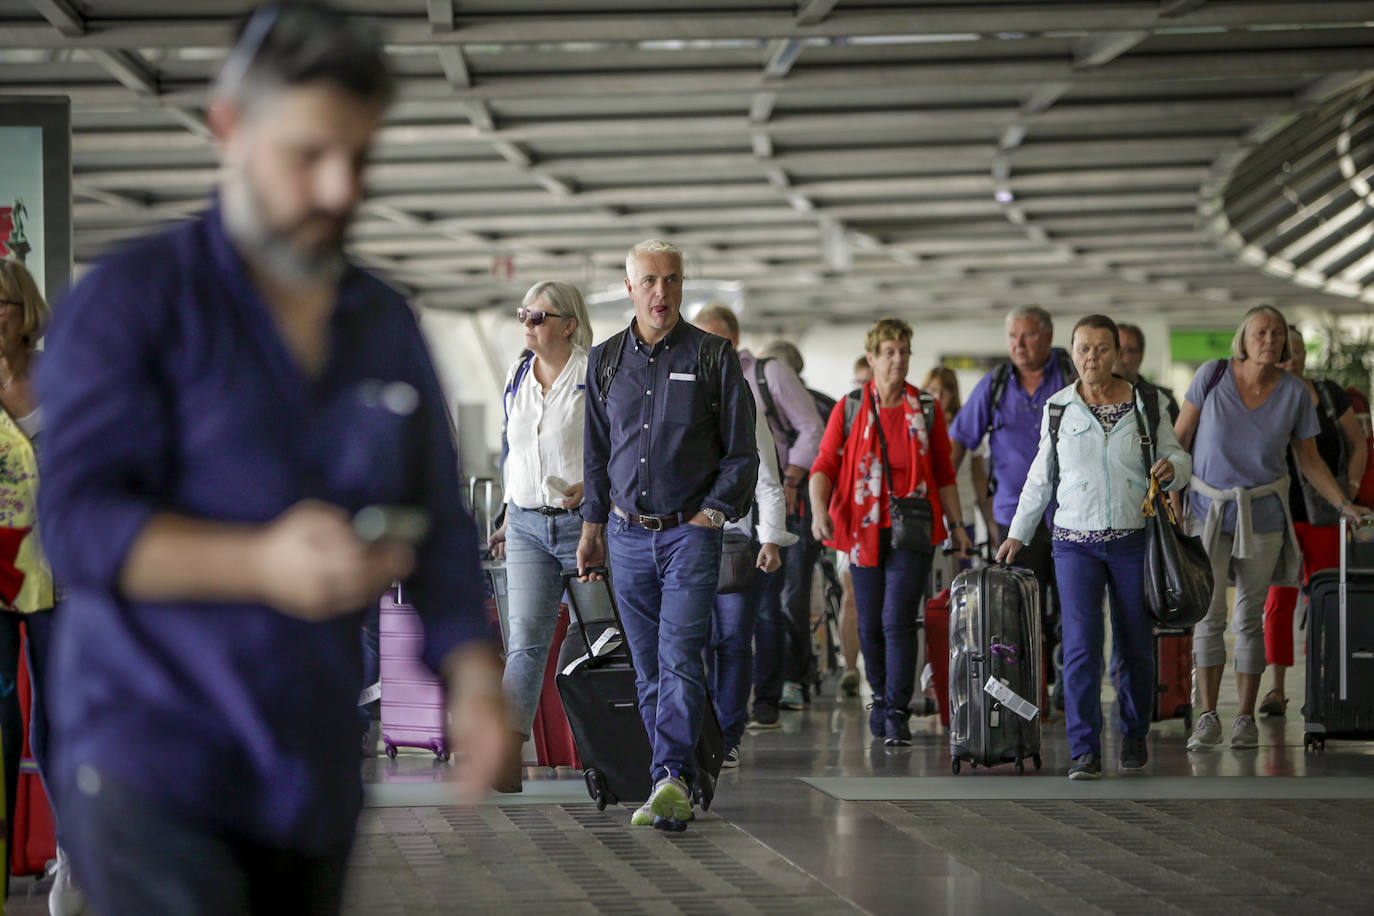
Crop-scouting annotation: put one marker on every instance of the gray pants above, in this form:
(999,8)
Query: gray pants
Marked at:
(1253,576)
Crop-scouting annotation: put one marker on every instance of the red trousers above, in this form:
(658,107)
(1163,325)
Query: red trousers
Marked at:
(1321,549)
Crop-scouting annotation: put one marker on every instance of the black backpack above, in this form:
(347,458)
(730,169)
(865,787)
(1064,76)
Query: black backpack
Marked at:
(853,403)
(710,356)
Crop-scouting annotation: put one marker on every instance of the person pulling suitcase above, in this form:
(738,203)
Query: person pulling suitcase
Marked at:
(670,455)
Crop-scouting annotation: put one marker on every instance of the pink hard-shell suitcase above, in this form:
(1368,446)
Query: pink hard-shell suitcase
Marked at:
(414,711)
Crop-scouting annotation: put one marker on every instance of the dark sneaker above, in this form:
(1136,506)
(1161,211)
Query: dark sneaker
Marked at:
(1134,754)
(765,716)
(849,683)
(877,719)
(898,734)
(1086,766)
(731,759)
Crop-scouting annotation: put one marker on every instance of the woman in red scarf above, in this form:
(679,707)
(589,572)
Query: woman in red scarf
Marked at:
(852,478)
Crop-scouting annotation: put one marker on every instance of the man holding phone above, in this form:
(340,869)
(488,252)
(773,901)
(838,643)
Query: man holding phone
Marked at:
(221,399)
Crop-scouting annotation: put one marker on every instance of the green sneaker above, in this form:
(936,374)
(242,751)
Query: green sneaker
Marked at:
(672,800)
(644,815)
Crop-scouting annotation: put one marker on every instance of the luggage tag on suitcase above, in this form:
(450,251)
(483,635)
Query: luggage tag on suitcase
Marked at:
(1010,699)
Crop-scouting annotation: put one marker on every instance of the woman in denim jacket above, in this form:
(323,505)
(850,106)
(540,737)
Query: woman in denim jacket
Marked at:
(1099,540)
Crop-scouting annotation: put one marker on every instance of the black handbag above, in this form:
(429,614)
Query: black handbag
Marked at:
(737,559)
(1178,572)
(913,521)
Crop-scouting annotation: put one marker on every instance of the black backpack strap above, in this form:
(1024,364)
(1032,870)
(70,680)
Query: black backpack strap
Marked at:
(770,407)
(1327,398)
(928,411)
(1217,375)
(522,368)
(710,356)
(1000,376)
(1056,417)
(852,402)
(608,363)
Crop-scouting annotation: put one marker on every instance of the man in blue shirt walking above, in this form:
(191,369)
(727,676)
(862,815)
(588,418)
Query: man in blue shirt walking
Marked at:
(221,399)
(669,456)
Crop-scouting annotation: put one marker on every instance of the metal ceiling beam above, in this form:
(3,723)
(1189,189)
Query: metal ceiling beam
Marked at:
(811,12)
(782,54)
(1096,50)
(1173,8)
(62,15)
(130,69)
(440,15)
(455,66)
(990,19)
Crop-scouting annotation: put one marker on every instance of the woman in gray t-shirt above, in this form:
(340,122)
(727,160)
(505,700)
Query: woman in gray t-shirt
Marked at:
(1239,418)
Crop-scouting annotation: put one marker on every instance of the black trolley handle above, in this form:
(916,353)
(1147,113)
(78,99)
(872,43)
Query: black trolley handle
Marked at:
(571,579)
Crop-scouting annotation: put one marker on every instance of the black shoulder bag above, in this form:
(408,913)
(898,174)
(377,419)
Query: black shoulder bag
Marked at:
(1178,572)
(912,518)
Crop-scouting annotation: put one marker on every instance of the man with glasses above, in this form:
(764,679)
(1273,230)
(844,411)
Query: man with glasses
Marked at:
(221,398)
(669,456)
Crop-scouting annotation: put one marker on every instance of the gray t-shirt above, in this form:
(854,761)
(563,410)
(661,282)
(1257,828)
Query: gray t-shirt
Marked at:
(1239,447)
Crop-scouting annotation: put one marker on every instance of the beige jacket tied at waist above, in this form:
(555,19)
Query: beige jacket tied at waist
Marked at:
(1288,569)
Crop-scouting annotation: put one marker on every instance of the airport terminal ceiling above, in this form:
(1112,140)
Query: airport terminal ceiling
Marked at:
(819,159)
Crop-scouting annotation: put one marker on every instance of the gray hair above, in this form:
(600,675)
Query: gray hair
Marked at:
(1032,311)
(789,354)
(1238,342)
(287,44)
(564,299)
(651,246)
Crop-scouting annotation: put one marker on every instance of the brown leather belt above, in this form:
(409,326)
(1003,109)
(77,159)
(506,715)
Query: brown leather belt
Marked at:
(656,522)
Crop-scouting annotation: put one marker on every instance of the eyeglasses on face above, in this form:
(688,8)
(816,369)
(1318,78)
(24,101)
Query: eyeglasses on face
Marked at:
(535,316)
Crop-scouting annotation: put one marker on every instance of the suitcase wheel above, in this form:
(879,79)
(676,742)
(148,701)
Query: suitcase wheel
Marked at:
(1313,742)
(707,792)
(954,765)
(596,787)
(1036,760)
(1188,721)
(1020,768)
(391,750)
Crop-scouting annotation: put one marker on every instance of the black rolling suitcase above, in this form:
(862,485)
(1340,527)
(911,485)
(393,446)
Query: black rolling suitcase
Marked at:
(1340,652)
(996,674)
(599,697)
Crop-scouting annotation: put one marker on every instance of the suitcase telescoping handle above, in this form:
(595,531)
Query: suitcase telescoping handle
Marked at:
(571,584)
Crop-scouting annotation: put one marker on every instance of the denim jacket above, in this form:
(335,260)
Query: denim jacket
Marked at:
(1102,479)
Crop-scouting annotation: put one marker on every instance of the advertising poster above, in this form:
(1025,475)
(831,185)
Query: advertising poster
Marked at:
(21,199)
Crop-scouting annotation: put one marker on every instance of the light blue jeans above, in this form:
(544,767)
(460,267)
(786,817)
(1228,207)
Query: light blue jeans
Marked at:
(538,549)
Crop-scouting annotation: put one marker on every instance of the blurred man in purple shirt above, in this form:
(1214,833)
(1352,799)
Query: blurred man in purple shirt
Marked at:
(221,399)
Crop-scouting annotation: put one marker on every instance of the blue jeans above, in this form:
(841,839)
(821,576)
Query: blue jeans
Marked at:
(38,628)
(770,639)
(665,584)
(888,598)
(1084,572)
(538,548)
(798,565)
(133,857)
(730,656)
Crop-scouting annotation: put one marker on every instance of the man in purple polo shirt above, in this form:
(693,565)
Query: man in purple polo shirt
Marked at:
(1006,406)
(221,399)
(782,627)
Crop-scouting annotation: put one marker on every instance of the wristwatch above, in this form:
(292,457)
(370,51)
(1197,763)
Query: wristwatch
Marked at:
(716,517)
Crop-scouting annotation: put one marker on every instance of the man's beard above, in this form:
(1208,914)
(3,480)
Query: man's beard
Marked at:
(274,249)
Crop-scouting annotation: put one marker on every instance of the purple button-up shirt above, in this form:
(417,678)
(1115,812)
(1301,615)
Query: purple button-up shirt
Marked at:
(168,389)
(798,408)
(1015,436)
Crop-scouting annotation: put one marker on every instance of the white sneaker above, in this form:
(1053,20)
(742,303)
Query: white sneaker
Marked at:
(65,898)
(1206,733)
(1244,732)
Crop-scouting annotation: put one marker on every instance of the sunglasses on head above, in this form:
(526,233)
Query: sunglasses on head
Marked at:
(535,316)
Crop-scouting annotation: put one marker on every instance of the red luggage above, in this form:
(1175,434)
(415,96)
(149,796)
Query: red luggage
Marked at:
(414,708)
(34,837)
(553,739)
(1173,675)
(937,649)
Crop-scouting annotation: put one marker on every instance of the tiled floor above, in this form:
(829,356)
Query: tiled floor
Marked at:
(820,819)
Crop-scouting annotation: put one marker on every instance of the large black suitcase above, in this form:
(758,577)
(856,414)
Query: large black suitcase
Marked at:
(602,705)
(996,676)
(1340,653)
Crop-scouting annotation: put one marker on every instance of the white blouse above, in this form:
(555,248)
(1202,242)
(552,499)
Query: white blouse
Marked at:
(544,432)
(768,495)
